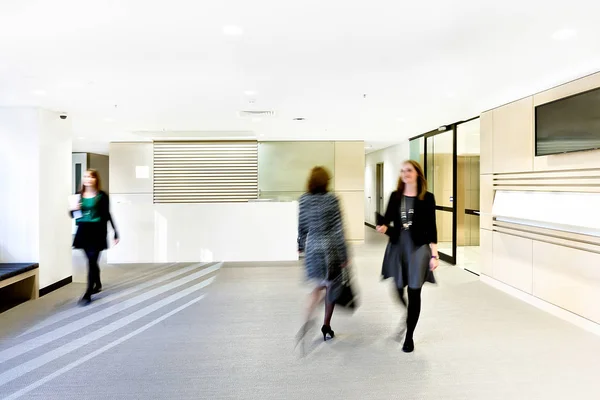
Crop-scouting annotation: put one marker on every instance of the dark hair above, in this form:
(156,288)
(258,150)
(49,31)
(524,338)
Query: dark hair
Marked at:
(421,181)
(94,175)
(318,182)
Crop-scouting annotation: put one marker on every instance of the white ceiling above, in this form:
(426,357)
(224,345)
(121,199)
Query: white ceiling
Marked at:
(123,66)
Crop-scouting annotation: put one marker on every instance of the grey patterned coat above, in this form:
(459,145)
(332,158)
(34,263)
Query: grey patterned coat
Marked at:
(321,235)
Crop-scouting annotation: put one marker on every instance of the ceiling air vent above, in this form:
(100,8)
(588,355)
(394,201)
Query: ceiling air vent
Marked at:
(256,113)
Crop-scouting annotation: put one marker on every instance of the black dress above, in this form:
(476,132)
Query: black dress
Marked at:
(407,260)
(93,235)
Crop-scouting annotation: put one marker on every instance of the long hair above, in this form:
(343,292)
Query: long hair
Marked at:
(421,181)
(318,182)
(94,175)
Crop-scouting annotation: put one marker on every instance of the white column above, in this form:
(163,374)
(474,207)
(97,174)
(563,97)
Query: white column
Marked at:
(35,182)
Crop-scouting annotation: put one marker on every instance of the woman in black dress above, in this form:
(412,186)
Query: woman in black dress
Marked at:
(92,216)
(412,253)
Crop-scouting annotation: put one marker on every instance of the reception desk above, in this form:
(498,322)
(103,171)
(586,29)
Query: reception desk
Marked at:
(164,233)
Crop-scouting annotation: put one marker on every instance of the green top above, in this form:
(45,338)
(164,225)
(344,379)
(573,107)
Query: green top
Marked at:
(89,210)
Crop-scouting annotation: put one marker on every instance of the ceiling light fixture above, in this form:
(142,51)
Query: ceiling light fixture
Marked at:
(250,93)
(564,34)
(39,92)
(109,119)
(400,119)
(232,30)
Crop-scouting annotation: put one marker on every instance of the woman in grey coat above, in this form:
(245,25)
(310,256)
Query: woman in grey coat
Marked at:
(321,237)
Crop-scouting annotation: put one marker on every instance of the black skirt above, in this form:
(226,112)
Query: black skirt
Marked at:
(91,236)
(407,263)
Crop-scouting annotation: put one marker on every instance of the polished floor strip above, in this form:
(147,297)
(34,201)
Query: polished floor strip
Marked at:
(44,359)
(55,334)
(101,350)
(105,300)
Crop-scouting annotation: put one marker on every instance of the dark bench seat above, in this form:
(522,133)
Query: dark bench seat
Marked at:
(10,270)
(19,282)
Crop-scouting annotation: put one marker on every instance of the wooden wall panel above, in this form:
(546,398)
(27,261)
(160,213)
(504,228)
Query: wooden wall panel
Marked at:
(513,137)
(512,261)
(486,142)
(568,278)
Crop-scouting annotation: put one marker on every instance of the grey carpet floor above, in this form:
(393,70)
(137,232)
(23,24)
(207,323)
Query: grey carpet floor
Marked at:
(237,341)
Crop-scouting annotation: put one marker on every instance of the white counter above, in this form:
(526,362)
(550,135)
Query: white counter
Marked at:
(159,233)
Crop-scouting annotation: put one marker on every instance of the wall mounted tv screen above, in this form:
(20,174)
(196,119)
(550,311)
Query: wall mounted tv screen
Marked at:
(569,124)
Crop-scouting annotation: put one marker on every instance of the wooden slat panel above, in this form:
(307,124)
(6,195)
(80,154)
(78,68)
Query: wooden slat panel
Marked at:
(205,172)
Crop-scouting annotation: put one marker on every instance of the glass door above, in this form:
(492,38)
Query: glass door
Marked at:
(467,251)
(440,171)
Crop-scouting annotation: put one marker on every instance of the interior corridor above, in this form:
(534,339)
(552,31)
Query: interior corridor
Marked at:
(213,331)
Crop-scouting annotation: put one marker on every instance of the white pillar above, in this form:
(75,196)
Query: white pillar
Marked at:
(35,182)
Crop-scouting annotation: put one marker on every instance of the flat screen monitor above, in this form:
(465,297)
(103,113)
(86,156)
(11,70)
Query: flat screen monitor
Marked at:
(569,124)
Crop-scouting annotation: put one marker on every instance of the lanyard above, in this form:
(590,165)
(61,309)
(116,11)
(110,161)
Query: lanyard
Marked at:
(406,217)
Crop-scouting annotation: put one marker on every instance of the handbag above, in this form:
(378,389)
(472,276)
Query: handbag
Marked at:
(346,295)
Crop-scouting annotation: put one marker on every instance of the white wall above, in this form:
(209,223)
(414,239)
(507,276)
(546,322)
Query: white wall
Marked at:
(392,159)
(165,233)
(54,190)
(19,180)
(35,177)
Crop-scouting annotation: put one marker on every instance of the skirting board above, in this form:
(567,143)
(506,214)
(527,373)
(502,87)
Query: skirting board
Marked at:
(56,286)
(561,313)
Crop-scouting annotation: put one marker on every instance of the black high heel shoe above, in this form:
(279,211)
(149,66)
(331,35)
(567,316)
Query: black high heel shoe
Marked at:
(326,330)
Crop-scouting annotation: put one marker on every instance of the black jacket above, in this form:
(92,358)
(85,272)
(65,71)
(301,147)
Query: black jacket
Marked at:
(424,227)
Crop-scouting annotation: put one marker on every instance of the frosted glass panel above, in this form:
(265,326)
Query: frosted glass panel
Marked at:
(571,212)
(281,196)
(285,166)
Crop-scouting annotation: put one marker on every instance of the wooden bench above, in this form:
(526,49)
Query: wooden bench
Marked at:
(18,283)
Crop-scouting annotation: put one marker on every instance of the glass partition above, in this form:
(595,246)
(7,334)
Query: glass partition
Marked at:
(283,167)
(440,179)
(468,177)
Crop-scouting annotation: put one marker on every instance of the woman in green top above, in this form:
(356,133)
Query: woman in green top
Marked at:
(93,215)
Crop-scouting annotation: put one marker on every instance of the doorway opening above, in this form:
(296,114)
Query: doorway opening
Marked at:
(379,189)
(450,159)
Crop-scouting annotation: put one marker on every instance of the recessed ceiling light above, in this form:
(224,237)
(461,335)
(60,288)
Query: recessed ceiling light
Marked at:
(564,34)
(232,30)
(39,92)
(109,119)
(80,137)
(400,119)
(250,93)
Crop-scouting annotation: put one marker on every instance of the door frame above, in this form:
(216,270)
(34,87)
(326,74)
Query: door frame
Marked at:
(379,171)
(451,259)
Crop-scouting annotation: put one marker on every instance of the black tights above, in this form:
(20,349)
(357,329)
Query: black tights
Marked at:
(413,309)
(93,272)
